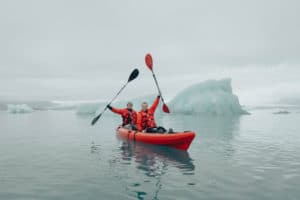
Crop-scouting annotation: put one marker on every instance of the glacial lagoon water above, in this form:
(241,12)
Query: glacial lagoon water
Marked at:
(58,155)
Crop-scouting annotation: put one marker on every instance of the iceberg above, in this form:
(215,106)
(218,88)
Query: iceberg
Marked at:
(212,97)
(88,108)
(19,108)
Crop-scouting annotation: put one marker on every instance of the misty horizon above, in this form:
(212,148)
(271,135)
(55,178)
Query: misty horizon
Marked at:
(75,50)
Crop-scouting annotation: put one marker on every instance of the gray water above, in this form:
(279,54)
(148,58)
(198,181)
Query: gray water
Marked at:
(58,155)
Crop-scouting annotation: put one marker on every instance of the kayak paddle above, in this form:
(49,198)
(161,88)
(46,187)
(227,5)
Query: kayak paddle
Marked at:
(149,63)
(132,76)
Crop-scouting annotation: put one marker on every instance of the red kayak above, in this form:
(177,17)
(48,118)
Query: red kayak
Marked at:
(178,140)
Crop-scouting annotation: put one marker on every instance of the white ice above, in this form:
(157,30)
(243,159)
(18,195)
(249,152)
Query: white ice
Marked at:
(88,108)
(19,108)
(212,97)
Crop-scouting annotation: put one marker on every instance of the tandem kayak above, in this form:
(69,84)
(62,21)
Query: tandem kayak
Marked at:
(178,140)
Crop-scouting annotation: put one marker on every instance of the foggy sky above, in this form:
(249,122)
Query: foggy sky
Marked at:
(70,49)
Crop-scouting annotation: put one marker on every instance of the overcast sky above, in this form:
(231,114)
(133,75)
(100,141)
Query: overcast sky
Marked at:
(70,49)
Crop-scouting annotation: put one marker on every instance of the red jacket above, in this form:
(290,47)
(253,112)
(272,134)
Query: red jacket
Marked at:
(129,117)
(145,119)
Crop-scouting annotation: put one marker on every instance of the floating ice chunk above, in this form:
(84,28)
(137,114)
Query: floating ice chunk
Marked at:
(19,108)
(212,97)
(88,108)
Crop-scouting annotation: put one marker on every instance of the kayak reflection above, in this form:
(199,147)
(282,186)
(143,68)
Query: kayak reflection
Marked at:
(154,161)
(148,157)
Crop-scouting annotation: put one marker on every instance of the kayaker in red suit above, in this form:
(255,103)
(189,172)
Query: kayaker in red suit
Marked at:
(145,118)
(129,115)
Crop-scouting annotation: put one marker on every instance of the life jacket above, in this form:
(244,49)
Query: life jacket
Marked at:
(147,119)
(129,117)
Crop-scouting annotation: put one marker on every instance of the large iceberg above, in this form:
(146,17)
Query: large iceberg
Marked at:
(19,108)
(212,97)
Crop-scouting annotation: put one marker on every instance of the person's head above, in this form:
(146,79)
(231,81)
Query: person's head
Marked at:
(129,105)
(144,106)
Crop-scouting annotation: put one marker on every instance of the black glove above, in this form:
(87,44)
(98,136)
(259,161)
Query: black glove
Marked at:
(158,96)
(109,107)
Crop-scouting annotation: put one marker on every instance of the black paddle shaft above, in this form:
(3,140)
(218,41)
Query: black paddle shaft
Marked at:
(96,118)
(132,76)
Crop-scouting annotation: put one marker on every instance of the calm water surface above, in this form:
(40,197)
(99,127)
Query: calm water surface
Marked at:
(57,155)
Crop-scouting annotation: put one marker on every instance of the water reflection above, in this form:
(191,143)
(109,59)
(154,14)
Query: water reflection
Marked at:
(214,134)
(212,126)
(149,171)
(148,156)
(154,162)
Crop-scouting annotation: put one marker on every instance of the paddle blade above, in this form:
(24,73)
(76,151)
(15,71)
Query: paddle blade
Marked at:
(95,120)
(133,75)
(149,61)
(165,108)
